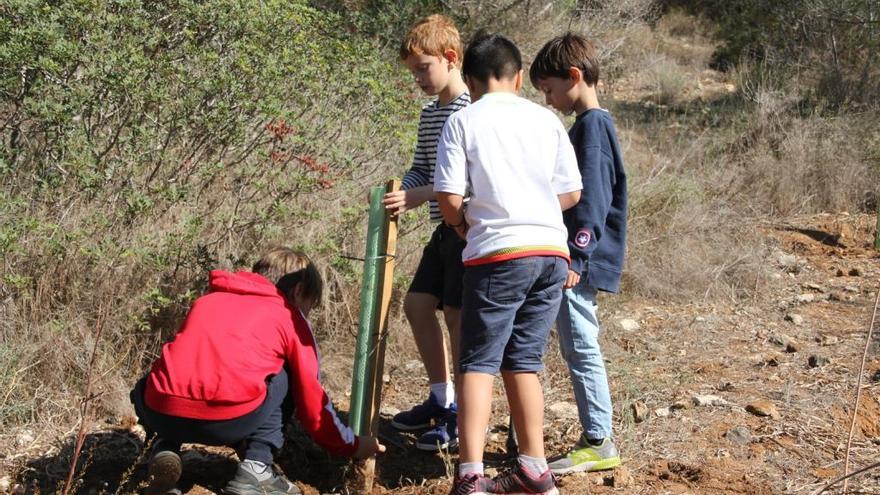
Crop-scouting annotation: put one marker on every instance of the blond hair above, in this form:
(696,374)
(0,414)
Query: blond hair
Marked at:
(286,268)
(432,35)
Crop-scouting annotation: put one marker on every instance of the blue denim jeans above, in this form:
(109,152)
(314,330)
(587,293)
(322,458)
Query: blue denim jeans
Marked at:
(578,328)
(507,312)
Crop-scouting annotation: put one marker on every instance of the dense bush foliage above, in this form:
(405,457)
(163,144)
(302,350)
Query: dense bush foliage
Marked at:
(832,45)
(146,142)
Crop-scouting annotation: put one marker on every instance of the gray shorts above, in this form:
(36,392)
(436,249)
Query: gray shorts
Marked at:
(507,311)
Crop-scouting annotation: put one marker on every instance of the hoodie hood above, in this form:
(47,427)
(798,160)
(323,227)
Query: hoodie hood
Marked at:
(248,283)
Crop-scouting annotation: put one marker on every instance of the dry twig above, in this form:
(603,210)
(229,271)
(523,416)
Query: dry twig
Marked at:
(852,425)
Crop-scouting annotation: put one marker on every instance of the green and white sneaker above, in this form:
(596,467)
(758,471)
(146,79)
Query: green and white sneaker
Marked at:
(586,457)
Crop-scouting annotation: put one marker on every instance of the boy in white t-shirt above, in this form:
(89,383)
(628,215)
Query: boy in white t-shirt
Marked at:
(516,164)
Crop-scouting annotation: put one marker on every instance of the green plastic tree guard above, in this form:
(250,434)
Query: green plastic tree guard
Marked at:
(367,318)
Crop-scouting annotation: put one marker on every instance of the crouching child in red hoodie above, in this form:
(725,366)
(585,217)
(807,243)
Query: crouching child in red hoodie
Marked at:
(243,362)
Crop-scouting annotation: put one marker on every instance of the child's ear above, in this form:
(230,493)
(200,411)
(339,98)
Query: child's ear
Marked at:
(575,74)
(451,56)
(518,81)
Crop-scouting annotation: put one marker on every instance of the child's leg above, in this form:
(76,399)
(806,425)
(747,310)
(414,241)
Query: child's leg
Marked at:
(578,328)
(475,409)
(452,316)
(420,309)
(526,400)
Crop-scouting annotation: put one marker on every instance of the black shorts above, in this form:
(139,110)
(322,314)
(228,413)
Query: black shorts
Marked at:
(440,270)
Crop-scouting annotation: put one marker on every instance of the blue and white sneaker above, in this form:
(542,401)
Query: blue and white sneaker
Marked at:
(420,416)
(443,436)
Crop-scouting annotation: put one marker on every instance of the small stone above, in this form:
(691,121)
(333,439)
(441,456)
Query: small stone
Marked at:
(491,472)
(700,319)
(815,361)
(25,438)
(851,288)
(856,272)
(640,411)
(679,405)
(662,412)
(413,365)
(805,298)
(814,286)
(739,435)
(835,296)
(725,387)
(563,410)
(629,325)
(795,318)
(789,262)
(827,340)
(494,437)
(791,346)
(779,339)
(386,378)
(840,272)
(620,477)
(763,408)
(708,400)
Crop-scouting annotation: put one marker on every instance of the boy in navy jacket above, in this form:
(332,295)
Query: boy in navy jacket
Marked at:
(566,71)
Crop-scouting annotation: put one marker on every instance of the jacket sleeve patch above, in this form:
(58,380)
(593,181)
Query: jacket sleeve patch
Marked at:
(582,238)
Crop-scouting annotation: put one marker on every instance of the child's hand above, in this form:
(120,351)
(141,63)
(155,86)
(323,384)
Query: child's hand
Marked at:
(406,199)
(368,447)
(571,280)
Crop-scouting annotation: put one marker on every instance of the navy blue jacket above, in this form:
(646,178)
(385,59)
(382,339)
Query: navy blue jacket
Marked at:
(597,224)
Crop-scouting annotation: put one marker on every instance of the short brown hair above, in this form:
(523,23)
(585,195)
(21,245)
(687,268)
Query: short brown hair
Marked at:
(286,268)
(559,54)
(432,35)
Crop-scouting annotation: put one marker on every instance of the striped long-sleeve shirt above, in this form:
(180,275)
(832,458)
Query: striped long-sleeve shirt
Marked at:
(430,124)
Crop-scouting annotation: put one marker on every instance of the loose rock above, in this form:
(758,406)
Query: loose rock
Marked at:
(640,411)
(25,438)
(679,405)
(563,410)
(795,319)
(620,478)
(662,412)
(805,298)
(629,325)
(856,272)
(815,361)
(708,400)
(739,435)
(763,408)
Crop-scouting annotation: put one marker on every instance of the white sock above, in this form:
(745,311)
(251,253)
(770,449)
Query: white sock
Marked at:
(260,470)
(444,392)
(535,465)
(466,468)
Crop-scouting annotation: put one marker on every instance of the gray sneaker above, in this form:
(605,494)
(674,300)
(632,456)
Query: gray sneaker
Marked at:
(586,457)
(248,481)
(164,469)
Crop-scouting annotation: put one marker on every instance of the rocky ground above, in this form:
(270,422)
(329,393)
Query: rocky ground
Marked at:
(753,396)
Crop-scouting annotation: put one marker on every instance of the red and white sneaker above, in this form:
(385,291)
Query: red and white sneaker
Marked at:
(522,482)
(472,484)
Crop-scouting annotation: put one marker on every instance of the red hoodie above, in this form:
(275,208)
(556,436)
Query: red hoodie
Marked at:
(233,338)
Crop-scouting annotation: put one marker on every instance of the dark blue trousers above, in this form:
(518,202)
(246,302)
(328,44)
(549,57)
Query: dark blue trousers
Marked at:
(258,434)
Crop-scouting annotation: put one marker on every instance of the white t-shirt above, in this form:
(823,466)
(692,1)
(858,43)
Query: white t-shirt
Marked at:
(512,157)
